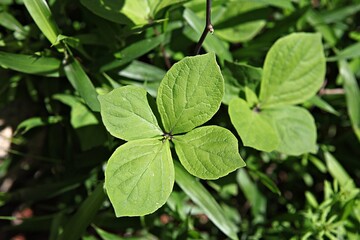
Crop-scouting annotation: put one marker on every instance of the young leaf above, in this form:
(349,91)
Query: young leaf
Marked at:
(253,128)
(127,115)
(139,177)
(45,66)
(40,12)
(294,70)
(205,200)
(190,93)
(296,128)
(82,83)
(208,152)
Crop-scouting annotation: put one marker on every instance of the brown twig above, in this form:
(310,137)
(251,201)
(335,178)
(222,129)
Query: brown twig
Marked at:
(208,28)
(332,91)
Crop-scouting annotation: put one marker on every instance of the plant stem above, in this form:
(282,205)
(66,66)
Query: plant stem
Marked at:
(208,27)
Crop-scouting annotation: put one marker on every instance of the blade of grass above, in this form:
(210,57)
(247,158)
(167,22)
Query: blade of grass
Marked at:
(40,12)
(204,200)
(78,223)
(82,83)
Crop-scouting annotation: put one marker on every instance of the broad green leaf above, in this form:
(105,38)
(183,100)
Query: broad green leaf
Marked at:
(78,223)
(337,171)
(139,177)
(253,128)
(295,127)
(143,72)
(294,70)
(40,12)
(82,83)
(200,196)
(127,115)
(352,94)
(190,93)
(211,43)
(32,64)
(208,152)
(132,52)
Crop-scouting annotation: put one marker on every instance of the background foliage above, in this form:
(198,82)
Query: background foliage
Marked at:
(54,64)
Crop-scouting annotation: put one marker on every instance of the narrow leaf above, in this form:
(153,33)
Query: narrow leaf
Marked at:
(190,93)
(208,152)
(143,72)
(82,83)
(132,52)
(32,64)
(253,128)
(78,223)
(205,201)
(337,171)
(296,128)
(352,94)
(294,70)
(127,115)
(9,21)
(40,12)
(139,177)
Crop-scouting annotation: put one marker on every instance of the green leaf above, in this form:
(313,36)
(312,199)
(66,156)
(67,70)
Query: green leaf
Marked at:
(132,52)
(40,12)
(139,177)
(253,128)
(352,94)
(78,223)
(34,122)
(352,51)
(267,181)
(253,194)
(127,115)
(106,235)
(190,93)
(200,196)
(337,171)
(294,70)
(237,76)
(143,72)
(32,64)
(82,83)
(208,152)
(240,31)
(9,21)
(322,104)
(295,127)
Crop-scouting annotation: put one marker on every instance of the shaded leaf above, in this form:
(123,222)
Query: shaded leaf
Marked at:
(143,72)
(78,223)
(32,64)
(139,177)
(82,83)
(208,152)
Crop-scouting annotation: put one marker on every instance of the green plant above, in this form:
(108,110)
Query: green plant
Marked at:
(139,176)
